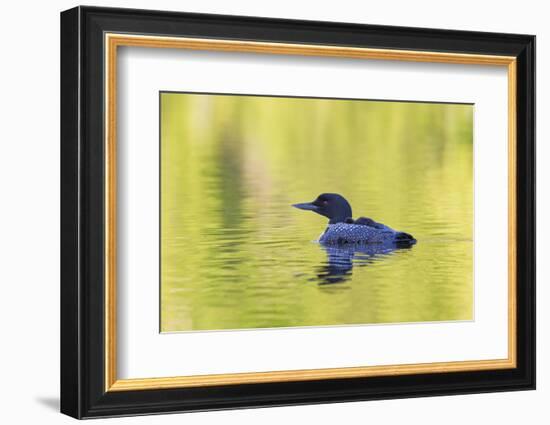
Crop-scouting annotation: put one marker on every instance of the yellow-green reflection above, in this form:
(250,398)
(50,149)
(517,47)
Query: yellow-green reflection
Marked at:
(235,254)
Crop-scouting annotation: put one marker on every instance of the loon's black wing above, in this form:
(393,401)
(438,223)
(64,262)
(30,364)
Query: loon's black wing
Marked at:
(401,238)
(365,221)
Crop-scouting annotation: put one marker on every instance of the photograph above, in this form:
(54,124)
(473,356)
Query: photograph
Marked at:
(279,212)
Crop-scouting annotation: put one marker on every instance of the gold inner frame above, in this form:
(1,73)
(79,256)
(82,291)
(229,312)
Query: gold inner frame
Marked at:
(113,41)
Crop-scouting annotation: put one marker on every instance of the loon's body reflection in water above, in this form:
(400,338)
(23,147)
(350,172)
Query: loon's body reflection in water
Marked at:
(342,258)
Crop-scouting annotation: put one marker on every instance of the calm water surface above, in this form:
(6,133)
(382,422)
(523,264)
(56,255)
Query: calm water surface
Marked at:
(235,254)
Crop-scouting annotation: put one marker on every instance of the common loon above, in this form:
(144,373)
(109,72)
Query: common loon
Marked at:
(343,229)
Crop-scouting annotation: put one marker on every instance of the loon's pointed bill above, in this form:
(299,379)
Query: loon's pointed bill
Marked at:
(310,206)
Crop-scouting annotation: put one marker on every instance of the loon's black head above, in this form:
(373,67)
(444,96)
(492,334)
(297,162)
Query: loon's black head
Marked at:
(331,205)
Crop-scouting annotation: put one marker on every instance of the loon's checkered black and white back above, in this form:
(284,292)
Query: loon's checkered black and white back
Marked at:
(352,233)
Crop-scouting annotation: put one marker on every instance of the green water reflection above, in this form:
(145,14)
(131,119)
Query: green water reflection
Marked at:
(235,254)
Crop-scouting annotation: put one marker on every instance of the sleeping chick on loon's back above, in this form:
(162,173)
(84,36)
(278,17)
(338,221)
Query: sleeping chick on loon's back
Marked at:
(342,229)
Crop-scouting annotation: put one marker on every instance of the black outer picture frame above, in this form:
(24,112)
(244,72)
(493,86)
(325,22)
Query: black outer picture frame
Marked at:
(82,217)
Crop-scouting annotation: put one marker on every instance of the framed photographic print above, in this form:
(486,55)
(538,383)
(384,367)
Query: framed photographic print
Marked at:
(261,212)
